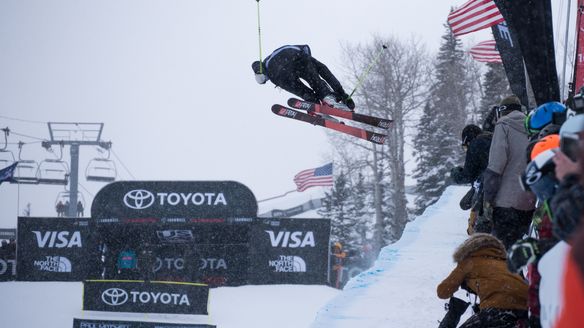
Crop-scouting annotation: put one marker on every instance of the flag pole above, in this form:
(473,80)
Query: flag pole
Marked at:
(284,194)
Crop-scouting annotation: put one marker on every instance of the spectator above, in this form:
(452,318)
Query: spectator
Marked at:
(337,260)
(481,269)
(571,315)
(66,209)
(127,263)
(476,144)
(146,261)
(568,202)
(79,209)
(60,208)
(508,206)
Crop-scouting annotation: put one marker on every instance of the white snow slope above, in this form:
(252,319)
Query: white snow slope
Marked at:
(399,291)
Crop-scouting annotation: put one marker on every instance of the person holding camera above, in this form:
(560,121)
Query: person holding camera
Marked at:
(481,268)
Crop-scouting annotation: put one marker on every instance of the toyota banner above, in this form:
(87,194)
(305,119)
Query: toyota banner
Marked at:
(168,199)
(145,297)
(90,323)
(289,251)
(55,249)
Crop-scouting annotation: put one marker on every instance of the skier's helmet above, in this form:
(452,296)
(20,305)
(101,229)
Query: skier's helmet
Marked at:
(260,72)
(507,105)
(550,142)
(542,116)
(571,134)
(470,132)
(540,177)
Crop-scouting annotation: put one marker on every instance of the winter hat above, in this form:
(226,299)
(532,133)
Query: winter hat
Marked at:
(470,132)
(507,105)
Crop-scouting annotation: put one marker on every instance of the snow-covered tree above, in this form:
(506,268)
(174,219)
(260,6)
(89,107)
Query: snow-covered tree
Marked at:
(437,143)
(496,87)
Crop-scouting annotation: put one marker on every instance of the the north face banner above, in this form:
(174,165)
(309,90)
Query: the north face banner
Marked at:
(86,323)
(289,251)
(55,249)
(145,297)
(169,199)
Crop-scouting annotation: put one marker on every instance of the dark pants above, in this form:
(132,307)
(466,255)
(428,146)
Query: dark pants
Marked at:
(509,224)
(495,318)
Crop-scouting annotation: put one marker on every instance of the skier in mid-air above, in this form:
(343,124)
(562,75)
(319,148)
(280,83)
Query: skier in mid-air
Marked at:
(287,65)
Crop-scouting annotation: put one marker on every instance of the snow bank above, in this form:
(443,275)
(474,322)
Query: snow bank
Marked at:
(400,289)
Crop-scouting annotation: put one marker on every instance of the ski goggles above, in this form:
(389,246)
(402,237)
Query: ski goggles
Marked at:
(570,145)
(539,176)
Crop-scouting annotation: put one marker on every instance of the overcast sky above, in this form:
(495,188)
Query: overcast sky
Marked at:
(171,81)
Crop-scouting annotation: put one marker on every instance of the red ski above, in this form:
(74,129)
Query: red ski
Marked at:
(324,109)
(319,120)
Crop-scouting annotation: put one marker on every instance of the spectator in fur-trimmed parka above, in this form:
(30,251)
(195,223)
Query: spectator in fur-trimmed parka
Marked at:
(481,268)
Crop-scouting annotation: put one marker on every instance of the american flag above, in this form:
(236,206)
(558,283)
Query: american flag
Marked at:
(320,176)
(473,16)
(486,52)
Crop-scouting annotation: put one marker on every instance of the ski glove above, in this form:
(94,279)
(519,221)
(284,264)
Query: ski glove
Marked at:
(522,253)
(347,100)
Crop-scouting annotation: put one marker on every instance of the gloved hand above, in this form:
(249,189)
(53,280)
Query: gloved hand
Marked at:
(347,100)
(522,253)
(455,173)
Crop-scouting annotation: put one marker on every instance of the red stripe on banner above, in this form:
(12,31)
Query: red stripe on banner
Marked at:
(473,16)
(579,60)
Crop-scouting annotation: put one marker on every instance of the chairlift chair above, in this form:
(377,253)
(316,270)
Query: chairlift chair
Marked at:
(53,171)
(26,169)
(64,196)
(6,158)
(101,170)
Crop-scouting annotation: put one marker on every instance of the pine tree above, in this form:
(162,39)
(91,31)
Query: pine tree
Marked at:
(437,143)
(336,207)
(496,87)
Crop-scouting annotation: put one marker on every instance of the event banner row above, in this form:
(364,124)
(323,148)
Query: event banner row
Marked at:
(218,252)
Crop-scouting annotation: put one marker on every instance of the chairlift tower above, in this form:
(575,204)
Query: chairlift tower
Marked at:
(75,135)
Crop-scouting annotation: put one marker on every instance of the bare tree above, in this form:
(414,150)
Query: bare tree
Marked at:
(393,88)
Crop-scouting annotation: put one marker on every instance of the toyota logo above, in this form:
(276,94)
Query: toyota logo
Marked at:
(139,199)
(114,296)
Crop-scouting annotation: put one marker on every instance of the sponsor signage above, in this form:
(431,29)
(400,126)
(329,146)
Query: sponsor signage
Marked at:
(7,234)
(58,249)
(162,199)
(288,251)
(85,323)
(7,268)
(145,297)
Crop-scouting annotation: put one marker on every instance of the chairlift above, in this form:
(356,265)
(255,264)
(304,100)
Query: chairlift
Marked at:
(101,169)
(53,171)
(6,156)
(26,169)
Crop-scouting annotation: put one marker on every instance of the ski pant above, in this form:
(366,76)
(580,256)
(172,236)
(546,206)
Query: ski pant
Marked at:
(509,224)
(495,318)
(316,74)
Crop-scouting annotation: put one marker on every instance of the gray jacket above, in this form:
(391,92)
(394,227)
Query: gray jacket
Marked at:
(507,163)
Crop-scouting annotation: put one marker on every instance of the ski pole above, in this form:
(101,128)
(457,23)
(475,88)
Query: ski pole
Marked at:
(260,38)
(362,77)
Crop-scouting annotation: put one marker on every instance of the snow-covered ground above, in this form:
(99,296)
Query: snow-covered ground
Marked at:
(399,291)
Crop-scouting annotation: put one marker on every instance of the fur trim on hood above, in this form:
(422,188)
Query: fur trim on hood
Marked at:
(477,242)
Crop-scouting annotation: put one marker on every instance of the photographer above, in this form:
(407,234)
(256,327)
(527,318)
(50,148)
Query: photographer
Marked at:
(481,268)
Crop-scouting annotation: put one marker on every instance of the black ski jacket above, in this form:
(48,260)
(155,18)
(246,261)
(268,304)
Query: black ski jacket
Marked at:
(476,161)
(288,64)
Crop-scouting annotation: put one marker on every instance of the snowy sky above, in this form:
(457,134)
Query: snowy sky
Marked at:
(171,81)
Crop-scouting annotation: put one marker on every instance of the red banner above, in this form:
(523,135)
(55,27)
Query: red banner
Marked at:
(579,67)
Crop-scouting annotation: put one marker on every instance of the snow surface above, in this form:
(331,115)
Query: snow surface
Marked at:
(398,291)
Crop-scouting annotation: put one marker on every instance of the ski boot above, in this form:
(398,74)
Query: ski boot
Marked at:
(331,101)
(456,308)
